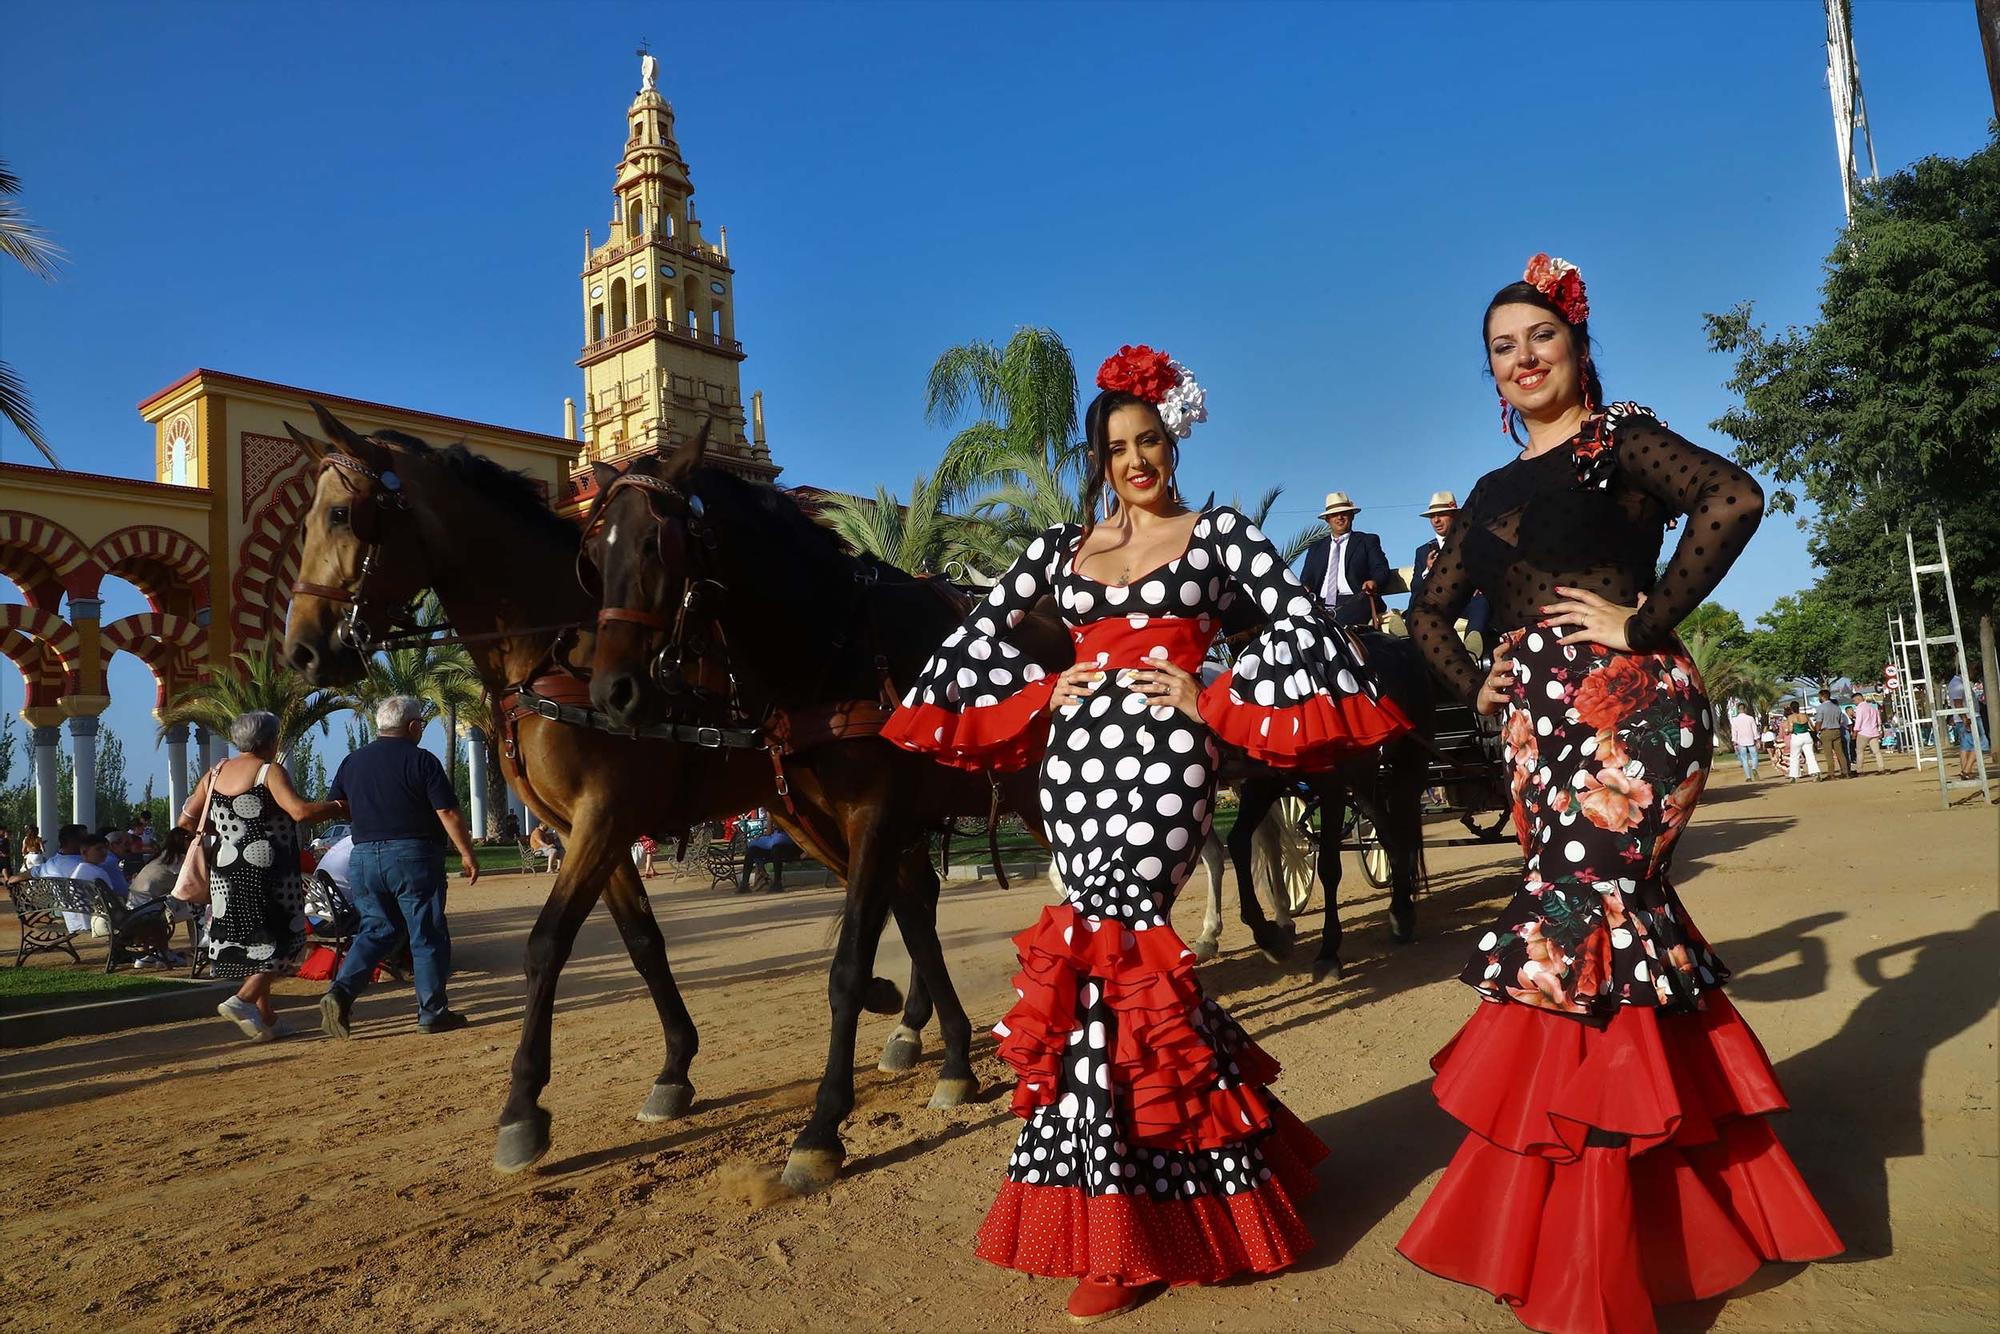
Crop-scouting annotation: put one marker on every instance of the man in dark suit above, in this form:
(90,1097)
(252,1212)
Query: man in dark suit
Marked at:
(1443,514)
(1346,569)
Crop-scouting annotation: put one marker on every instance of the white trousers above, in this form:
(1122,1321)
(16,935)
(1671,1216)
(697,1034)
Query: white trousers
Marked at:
(1802,744)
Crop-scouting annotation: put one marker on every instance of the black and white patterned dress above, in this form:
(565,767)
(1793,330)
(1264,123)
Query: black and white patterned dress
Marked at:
(1151,1150)
(254,892)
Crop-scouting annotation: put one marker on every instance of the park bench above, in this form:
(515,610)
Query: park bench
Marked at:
(333,917)
(39,904)
(134,932)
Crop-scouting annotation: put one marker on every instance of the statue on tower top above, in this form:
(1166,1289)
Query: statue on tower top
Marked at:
(649,72)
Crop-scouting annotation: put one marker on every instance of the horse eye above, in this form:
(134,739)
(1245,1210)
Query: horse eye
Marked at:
(338,514)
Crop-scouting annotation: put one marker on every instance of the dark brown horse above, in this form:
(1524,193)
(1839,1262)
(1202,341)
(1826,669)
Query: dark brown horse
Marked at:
(392,516)
(707,576)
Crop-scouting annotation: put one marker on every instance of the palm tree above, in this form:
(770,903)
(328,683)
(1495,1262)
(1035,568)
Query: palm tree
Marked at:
(259,683)
(1025,430)
(36,253)
(921,537)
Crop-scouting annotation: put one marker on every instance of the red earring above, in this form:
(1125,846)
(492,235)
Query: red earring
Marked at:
(1506,418)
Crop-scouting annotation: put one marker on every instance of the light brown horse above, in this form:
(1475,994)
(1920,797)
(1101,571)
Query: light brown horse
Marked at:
(701,569)
(392,516)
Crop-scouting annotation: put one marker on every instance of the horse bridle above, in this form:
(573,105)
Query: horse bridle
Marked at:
(368,511)
(681,645)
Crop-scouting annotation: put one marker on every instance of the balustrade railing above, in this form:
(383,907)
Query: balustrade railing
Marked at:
(660,325)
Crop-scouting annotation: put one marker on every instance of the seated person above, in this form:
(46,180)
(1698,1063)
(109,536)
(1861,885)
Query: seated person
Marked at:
(546,844)
(768,846)
(92,866)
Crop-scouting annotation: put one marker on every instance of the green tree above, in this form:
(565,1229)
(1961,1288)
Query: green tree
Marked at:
(921,537)
(1811,637)
(258,683)
(1885,411)
(1015,458)
(114,790)
(30,247)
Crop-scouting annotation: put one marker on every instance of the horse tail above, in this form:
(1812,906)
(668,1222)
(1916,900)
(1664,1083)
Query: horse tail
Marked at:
(881,995)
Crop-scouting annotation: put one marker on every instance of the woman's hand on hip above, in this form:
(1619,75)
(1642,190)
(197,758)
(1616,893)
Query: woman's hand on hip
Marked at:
(1165,685)
(1496,692)
(1074,685)
(1593,619)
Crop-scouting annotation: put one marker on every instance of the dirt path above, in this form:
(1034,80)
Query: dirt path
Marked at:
(177,1178)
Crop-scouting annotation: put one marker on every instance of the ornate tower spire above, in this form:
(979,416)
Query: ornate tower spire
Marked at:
(660,350)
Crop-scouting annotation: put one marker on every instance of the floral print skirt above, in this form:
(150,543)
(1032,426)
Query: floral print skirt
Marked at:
(1608,753)
(1618,1157)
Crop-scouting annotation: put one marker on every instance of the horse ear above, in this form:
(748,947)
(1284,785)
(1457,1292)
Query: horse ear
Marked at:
(603,474)
(690,455)
(314,449)
(346,440)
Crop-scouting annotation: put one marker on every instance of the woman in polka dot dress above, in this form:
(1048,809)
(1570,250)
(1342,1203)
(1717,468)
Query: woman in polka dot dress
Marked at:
(1151,1152)
(1618,1157)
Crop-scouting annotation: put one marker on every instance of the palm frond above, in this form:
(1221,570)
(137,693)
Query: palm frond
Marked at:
(28,244)
(962,376)
(19,411)
(1295,546)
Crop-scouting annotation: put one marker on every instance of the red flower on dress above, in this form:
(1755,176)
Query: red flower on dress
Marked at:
(1612,799)
(1139,370)
(1614,692)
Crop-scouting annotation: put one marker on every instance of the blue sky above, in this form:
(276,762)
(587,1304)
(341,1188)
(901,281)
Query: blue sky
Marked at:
(1308,204)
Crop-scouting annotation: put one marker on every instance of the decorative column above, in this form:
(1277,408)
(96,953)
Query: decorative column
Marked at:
(204,747)
(83,757)
(177,769)
(475,771)
(48,813)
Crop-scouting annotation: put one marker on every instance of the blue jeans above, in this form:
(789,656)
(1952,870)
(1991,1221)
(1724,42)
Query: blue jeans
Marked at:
(1748,756)
(398,886)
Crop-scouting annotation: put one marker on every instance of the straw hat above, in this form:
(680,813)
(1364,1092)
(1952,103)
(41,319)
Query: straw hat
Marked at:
(1442,502)
(1338,503)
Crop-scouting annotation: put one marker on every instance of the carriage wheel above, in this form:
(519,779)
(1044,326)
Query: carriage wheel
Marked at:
(1374,856)
(1491,831)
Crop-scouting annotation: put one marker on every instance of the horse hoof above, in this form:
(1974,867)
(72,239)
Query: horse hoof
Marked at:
(900,1052)
(667,1102)
(1333,968)
(1275,943)
(882,997)
(1402,927)
(521,1144)
(1205,948)
(810,1170)
(953,1092)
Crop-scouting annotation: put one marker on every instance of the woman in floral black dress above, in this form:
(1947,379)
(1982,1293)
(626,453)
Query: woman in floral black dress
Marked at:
(1618,1155)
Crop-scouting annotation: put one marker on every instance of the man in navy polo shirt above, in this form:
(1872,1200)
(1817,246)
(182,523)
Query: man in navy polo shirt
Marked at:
(402,809)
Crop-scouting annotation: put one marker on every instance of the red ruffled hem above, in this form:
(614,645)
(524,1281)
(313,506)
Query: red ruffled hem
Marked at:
(1591,1245)
(1005,736)
(1062,1232)
(1535,1084)
(1584,1239)
(1165,1071)
(1313,735)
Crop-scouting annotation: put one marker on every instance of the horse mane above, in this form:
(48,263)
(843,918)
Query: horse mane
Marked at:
(811,540)
(514,492)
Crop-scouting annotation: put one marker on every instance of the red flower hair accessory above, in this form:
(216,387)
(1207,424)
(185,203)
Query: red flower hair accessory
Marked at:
(1161,381)
(1562,283)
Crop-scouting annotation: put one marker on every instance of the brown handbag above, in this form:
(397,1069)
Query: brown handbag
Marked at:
(191,885)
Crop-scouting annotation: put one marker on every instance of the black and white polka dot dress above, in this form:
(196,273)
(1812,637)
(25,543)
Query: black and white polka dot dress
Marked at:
(1151,1150)
(254,892)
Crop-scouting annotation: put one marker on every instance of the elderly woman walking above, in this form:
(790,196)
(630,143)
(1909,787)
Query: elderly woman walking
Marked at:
(246,812)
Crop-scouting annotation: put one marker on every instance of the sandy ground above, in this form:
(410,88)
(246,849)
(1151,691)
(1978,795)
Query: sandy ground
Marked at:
(177,1178)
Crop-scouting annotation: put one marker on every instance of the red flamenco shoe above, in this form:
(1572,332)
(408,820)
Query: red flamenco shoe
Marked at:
(1098,1299)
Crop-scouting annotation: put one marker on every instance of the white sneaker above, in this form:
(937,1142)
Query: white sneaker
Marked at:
(244,1015)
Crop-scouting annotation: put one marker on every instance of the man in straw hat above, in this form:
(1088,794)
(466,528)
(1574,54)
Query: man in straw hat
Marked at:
(1345,568)
(1443,514)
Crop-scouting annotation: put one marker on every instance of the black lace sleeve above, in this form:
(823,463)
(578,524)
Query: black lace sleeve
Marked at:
(1433,614)
(1722,503)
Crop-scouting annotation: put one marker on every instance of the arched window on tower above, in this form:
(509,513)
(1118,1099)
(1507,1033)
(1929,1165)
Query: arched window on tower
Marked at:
(638,303)
(635,220)
(597,323)
(618,312)
(715,323)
